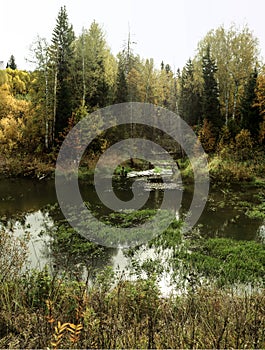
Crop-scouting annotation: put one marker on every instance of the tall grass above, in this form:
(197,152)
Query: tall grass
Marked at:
(43,310)
(39,311)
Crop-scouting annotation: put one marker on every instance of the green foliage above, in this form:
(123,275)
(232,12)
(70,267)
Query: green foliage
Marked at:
(13,254)
(129,314)
(69,248)
(61,56)
(257,211)
(210,94)
(227,261)
(11,63)
(94,69)
(225,169)
(250,115)
(235,50)
(121,94)
(130,218)
(189,98)
(77,75)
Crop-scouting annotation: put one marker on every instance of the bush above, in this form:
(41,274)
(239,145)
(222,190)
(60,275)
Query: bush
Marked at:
(243,145)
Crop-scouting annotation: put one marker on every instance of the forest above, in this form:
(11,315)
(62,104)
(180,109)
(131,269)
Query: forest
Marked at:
(220,92)
(75,296)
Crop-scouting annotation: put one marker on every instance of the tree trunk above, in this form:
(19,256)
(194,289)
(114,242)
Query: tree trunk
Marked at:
(226,107)
(235,100)
(46,112)
(54,103)
(83,74)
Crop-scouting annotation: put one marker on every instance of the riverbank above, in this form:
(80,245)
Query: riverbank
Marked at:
(43,311)
(32,167)
(56,310)
(222,171)
(39,309)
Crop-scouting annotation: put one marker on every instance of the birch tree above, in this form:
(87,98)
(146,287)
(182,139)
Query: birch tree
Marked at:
(235,51)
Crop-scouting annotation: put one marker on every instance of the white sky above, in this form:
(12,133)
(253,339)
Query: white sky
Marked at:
(167,30)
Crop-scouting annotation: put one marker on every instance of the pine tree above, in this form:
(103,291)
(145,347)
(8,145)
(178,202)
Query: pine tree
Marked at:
(11,63)
(250,116)
(61,56)
(210,95)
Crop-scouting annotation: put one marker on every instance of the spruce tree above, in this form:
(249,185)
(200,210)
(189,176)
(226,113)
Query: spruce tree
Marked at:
(210,95)
(189,97)
(121,84)
(61,56)
(11,63)
(250,116)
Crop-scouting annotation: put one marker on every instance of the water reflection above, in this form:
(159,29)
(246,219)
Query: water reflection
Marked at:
(23,206)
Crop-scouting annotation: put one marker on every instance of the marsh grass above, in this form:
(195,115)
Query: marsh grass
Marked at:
(225,261)
(43,310)
(69,314)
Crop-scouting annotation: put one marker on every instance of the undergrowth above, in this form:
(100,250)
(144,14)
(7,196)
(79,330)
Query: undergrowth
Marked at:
(64,313)
(40,309)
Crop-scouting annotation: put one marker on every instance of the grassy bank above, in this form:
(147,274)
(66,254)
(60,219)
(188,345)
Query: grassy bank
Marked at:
(41,311)
(225,170)
(222,168)
(26,166)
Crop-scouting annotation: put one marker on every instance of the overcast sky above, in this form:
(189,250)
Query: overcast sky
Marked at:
(167,30)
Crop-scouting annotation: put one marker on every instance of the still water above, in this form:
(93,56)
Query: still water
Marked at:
(25,203)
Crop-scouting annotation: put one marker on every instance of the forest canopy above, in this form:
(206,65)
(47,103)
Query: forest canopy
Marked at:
(220,92)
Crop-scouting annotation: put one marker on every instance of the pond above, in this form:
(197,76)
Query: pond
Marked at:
(27,205)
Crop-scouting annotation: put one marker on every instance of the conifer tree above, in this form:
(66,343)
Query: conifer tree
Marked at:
(94,69)
(189,97)
(61,56)
(121,83)
(11,63)
(250,116)
(210,100)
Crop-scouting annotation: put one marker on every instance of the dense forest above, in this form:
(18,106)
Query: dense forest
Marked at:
(220,92)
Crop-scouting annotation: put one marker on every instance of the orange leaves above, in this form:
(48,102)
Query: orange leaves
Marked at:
(75,331)
(61,330)
(206,137)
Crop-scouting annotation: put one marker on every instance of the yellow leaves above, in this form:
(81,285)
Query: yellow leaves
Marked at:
(11,132)
(18,81)
(58,334)
(63,329)
(11,105)
(13,116)
(50,308)
(75,332)
(136,88)
(3,77)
